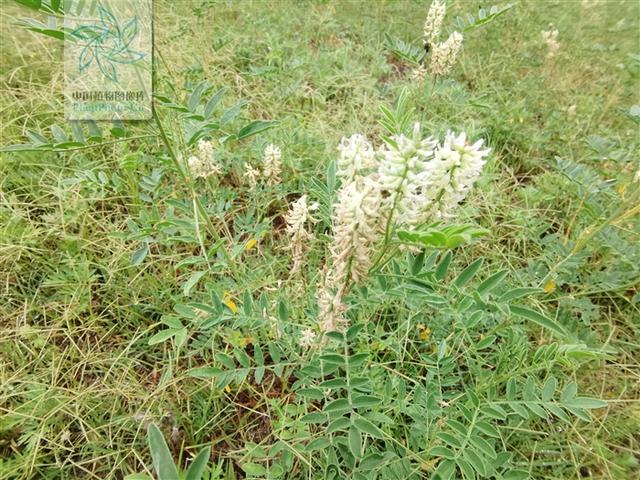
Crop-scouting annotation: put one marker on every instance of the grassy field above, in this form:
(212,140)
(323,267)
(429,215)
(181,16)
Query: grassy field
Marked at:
(133,295)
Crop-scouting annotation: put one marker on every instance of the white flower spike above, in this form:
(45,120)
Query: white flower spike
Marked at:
(445,54)
(433,22)
(272,165)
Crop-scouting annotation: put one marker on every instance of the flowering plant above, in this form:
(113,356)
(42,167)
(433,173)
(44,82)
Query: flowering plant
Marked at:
(407,182)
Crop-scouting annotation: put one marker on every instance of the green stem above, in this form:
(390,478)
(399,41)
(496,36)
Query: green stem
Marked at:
(84,147)
(387,232)
(200,210)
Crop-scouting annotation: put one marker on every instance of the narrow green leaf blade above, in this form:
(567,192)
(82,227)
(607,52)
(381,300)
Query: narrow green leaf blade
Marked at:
(355,442)
(538,318)
(198,466)
(468,273)
(254,128)
(162,461)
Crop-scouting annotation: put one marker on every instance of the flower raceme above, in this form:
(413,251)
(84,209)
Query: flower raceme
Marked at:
(356,156)
(445,54)
(272,164)
(205,149)
(426,179)
(354,230)
(271,168)
(550,39)
(204,164)
(433,22)
(330,306)
(355,225)
(307,338)
(416,181)
(297,217)
(445,179)
(252,175)
(402,162)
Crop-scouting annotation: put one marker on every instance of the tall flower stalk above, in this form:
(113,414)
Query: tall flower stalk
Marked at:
(297,217)
(409,181)
(203,165)
(355,228)
(433,22)
(443,54)
(272,164)
(355,232)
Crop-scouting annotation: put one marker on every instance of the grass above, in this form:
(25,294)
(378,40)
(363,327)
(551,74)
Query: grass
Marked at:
(79,380)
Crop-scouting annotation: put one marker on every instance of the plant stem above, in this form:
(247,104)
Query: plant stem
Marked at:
(199,207)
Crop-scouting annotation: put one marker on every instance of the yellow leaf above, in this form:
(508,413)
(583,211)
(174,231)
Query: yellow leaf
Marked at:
(425,333)
(232,305)
(429,465)
(550,286)
(250,244)
(227,389)
(226,299)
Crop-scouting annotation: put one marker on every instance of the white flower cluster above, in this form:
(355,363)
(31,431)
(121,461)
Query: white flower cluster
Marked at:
(408,181)
(204,164)
(354,230)
(402,166)
(445,54)
(356,156)
(446,179)
(355,226)
(271,168)
(252,175)
(419,73)
(330,306)
(297,217)
(308,338)
(550,39)
(272,164)
(426,179)
(433,22)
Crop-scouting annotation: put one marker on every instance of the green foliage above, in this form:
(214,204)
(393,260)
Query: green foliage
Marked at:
(83,134)
(442,237)
(163,463)
(483,17)
(197,116)
(403,50)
